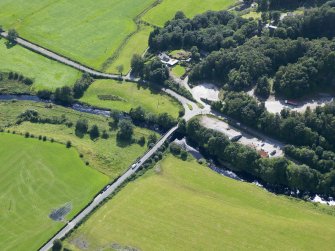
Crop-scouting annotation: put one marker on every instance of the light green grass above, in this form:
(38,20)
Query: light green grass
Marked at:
(106,155)
(137,44)
(253,14)
(168,8)
(178,71)
(47,74)
(186,206)
(133,95)
(88,31)
(37,177)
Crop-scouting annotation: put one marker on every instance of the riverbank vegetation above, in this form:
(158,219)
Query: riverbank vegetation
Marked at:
(37,178)
(108,155)
(123,96)
(181,205)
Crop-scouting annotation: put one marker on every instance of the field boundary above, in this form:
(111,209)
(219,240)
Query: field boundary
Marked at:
(138,21)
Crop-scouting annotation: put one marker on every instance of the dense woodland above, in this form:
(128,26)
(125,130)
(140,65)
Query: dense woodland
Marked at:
(299,55)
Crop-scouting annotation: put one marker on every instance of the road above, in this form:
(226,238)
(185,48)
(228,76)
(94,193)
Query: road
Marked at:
(102,196)
(63,60)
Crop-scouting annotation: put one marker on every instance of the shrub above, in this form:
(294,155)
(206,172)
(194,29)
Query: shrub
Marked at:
(94,132)
(44,138)
(175,149)
(68,144)
(81,127)
(141,141)
(40,137)
(105,135)
(27,134)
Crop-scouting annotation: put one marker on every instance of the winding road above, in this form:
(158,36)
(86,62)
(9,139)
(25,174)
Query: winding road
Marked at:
(62,59)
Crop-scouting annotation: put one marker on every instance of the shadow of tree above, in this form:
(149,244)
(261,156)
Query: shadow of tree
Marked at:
(10,44)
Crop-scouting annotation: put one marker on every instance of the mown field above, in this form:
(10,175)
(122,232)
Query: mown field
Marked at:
(137,44)
(125,95)
(36,178)
(178,71)
(46,73)
(84,30)
(108,156)
(95,37)
(185,206)
(167,9)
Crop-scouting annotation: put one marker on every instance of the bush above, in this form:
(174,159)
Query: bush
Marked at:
(68,144)
(44,94)
(81,127)
(57,245)
(183,155)
(175,149)
(44,138)
(141,141)
(105,135)
(27,134)
(94,132)
(40,137)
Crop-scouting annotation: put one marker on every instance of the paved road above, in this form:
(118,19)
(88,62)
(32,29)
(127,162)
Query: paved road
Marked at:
(100,197)
(63,59)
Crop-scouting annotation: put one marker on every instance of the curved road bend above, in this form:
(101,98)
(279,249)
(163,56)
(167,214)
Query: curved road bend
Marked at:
(101,196)
(62,59)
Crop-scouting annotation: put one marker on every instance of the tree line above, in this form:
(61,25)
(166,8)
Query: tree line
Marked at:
(311,130)
(273,171)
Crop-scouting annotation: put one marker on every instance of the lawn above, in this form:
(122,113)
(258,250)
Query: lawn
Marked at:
(185,206)
(108,156)
(37,177)
(137,44)
(168,8)
(84,30)
(47,74)
(255,15)
(126,95)
(178,71)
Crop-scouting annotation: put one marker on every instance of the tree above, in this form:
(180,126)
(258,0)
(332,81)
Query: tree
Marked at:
(94,132)
(81,127)
(120,69)
(68,144)
(57,245)
(12,35)
(152,139)
(179,15)
(275,15)
(81,85)
(263,87)
(64,95)
(137,65)
(126,130)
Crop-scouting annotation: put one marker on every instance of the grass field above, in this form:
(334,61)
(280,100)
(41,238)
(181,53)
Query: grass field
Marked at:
(168,8)
(130,95)
(84,30)
(253,14)
(186,206)
(137,44)
(106,155)
(47,74)
(37,177)
(178,71)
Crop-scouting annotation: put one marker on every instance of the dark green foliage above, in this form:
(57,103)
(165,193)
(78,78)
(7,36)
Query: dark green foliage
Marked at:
(81,127)
(156,72)
(44,94)
(64,95)
(152,139)
(104,135)
(263,87)
(141,141)
(208,31)
(164,120)
(175,149)
(57,245)
(81,85)
(94,132)
(137,65)
(68,144)
(274,171)
(12,35)
(126,130)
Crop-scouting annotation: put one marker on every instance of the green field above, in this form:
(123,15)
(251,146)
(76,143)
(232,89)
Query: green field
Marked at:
(37,177)
(185,206)
(129,95)
(137,44)
(253,14)
(47,74)
(84,30)
(178,71)
(168,8)
(106,155)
